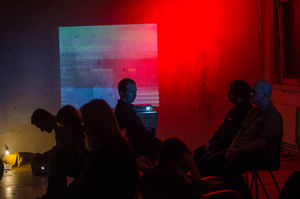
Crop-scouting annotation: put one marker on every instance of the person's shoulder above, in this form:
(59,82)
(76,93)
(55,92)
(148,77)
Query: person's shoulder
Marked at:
(119,105)
(273,115)
(276,113)
(122,106)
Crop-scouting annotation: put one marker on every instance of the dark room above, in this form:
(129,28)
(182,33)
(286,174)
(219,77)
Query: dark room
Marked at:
(142,99)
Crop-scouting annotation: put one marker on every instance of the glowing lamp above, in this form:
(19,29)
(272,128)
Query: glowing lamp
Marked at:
(6,150)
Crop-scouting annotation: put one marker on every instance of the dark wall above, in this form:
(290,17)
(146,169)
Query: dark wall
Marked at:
(202,46)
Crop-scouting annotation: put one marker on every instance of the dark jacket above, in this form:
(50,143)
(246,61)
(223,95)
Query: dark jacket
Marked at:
(229,128)
(142,140)
(108,172)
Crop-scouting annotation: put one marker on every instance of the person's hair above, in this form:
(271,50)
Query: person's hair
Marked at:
(69,117)
(40,115)
(99,116)
(123,83)
(172,149)
(241,88)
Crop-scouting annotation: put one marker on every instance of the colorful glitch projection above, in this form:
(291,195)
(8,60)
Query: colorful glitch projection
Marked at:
(93,59)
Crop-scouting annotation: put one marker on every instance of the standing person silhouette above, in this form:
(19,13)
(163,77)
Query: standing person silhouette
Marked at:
(143,140)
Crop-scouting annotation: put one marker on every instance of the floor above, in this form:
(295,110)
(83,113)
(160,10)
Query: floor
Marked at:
(19,183)
(290,161)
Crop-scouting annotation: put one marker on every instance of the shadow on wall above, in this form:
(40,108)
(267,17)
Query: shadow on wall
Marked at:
(26,138)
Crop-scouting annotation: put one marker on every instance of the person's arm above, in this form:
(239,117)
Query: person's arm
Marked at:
(272,126)
(132,122)
(233,123)
(218,133)
(234,142)
(224,136)
(190,162)
(256,145)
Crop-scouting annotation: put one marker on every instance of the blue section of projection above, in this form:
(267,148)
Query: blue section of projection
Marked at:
(80,96)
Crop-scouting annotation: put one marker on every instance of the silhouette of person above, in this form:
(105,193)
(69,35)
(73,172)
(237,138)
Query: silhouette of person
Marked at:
(68,154)
(239,95)
(142,139)
(110,169)
(68,117)
(167,180)
(46,122)
(257,144)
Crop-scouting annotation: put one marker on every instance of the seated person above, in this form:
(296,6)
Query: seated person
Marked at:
(69,154)
(109,170)
(142,139)
(45,121)
(167,180)
(68,118)
(239,95)
(257,144)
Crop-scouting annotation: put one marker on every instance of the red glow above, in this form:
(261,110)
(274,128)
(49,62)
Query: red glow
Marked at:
(202,47)
(187,27)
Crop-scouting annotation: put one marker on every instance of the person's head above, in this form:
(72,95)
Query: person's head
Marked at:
(171,154)
(239,91)
(69,117)
(127,90)
(99,123)
(44,120)
(261,93)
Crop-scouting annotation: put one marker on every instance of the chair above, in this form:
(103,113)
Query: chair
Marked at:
(274,166)
(256,177)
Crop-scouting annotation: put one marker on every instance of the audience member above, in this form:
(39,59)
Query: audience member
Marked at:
(72,139)
(69,153)
(257,144)
(109,170)
(239,95)
(142,139)
(167,180)
(45,121)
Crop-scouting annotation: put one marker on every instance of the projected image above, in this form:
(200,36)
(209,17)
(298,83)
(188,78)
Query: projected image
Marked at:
(93,59)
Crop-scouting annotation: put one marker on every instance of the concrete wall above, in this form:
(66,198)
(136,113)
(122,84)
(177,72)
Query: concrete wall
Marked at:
(203,49)
(203,46)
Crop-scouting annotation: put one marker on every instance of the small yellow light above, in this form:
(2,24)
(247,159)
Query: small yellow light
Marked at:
(6,152)
(59,124)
